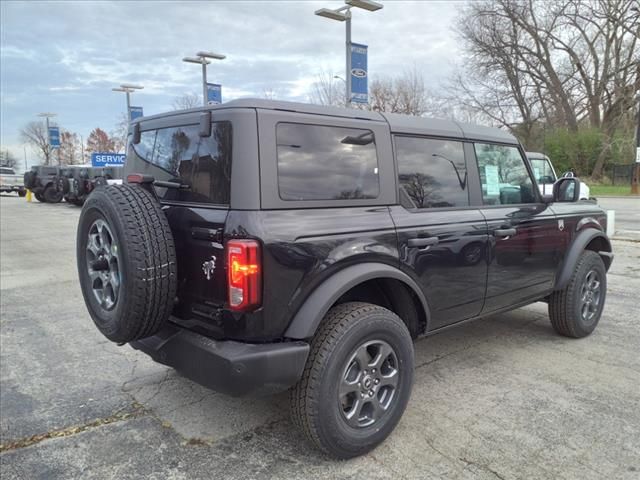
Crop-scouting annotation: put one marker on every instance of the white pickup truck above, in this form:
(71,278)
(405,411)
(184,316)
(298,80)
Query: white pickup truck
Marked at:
(546,175)
(10,182)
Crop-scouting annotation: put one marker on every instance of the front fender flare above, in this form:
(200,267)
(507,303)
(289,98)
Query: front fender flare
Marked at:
(306,321)
(576,248)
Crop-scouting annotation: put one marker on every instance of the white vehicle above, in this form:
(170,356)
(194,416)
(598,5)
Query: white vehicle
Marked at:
(10,182)
(546,175)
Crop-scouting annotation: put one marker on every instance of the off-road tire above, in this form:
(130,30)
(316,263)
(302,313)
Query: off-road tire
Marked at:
(314,404)
(51,194)
(565,305)
(146,262)
(39,197)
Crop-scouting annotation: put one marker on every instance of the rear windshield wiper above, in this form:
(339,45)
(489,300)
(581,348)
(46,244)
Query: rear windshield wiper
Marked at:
(177,185)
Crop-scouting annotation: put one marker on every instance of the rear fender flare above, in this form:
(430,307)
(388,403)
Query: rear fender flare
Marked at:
(576,248)
(306,321)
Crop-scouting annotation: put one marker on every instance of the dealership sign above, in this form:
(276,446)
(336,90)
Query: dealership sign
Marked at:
(107,159)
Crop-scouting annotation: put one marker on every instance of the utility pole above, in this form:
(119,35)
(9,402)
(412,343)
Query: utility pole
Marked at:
(127,88)
(343,14)
(201,58)
(48,115)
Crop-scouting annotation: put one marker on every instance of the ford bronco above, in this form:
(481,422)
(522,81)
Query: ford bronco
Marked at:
(260,246)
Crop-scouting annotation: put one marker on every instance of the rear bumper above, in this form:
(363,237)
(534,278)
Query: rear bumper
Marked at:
(229,367)
(11,188)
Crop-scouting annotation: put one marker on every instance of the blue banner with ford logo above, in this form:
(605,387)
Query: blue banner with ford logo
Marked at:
(54,137)
(135,112)
(359,83)
(107,159)
(214,94)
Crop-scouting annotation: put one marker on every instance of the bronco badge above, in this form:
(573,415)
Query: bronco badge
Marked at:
(209,267)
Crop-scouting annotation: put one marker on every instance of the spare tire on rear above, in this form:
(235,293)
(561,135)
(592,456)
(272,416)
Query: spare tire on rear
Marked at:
(29,180)
(126,262)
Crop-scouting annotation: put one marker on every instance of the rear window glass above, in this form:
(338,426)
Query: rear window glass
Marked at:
(431,173)
(201,163)
(326,163)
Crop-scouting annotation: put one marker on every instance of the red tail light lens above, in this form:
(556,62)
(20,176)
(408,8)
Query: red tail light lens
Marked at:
(244,274)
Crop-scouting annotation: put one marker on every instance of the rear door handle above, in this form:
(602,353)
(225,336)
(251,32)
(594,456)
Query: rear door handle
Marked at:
(210,234)
(422,242)
(504,232)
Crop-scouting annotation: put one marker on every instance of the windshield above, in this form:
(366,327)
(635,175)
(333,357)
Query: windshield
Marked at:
(542,170)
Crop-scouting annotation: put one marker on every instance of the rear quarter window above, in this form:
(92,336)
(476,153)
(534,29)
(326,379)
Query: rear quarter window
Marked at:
(318,162)
(180,155)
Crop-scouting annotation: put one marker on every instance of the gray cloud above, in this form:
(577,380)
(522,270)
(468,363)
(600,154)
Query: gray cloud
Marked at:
(65,56)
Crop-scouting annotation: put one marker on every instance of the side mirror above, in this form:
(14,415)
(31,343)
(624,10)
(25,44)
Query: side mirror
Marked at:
(136,134)
(567,189)
(205,124)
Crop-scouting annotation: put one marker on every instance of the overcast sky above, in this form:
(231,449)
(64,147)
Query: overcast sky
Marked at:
(64,56)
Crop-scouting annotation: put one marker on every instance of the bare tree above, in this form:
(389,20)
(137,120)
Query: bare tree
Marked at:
(270,93)
(564,63)
(186,101)
(403,94)
(328,89)
(7,159)
(70,151)
(119,133)
(35,134)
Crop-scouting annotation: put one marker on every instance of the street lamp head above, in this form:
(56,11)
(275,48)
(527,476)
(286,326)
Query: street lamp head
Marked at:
(365,4)
(197,60)
(215,56)
(47,114)
(130,86)
(118,89)
(331,14)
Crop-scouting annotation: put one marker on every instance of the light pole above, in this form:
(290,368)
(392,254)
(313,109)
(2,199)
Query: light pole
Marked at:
(202,58)
(128,88)
(343,14)
(47,116)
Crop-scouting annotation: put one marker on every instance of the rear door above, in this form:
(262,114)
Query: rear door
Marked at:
(442,241)
(524,235)
(198,211)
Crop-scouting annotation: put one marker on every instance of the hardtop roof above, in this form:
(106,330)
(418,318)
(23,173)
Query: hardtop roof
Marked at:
(398,123)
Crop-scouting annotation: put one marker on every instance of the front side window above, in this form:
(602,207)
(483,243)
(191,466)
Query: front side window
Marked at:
(431,173)
(504,177)
(326,163)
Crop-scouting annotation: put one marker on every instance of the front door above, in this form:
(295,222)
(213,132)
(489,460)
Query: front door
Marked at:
(442,241)
(524,235)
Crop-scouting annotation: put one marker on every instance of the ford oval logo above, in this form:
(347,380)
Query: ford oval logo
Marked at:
(359,72)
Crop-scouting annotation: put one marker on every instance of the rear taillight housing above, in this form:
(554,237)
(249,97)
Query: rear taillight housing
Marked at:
(244,274)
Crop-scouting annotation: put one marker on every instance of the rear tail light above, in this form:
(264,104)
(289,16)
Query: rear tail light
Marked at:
(244,274)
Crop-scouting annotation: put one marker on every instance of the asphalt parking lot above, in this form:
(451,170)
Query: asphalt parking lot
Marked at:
(501,398)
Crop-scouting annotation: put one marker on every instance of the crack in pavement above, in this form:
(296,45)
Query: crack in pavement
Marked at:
(138,411)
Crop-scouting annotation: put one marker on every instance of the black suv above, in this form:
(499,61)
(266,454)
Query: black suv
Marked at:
(259,246)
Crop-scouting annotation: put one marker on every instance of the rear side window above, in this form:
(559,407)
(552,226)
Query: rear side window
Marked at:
(504,177)
(326,163)
(201,163)
(431,173)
